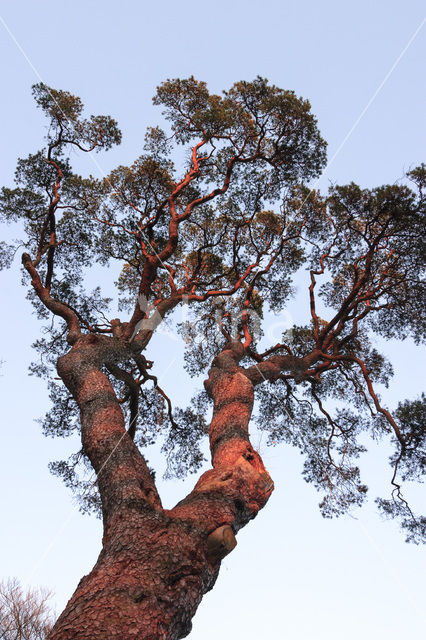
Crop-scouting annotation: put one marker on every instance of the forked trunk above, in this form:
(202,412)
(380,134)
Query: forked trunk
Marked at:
(156,564)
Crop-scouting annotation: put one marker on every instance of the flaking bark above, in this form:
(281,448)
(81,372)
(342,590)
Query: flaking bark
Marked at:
(156,564)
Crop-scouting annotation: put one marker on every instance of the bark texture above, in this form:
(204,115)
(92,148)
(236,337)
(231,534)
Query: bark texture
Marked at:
(156,564)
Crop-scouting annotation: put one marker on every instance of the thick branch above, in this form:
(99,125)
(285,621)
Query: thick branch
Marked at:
(123,477)
(271,369)
(238,486)
(56,307)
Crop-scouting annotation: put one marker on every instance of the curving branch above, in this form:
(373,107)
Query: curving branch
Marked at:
(58,308)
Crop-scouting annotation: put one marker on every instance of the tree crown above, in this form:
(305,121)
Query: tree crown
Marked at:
(224,231)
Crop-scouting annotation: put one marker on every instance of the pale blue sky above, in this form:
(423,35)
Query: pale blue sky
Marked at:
(293,574)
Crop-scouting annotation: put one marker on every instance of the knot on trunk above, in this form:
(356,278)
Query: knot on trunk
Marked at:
(220,542)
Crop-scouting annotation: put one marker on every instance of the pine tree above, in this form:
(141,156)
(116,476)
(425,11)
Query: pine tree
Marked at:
(224,231)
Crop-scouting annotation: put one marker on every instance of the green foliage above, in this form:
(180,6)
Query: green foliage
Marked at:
(66,125)
(254,115)
(289,413)
(411,416)
(391,219)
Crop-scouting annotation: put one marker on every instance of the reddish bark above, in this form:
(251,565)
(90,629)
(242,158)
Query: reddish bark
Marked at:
(156,564)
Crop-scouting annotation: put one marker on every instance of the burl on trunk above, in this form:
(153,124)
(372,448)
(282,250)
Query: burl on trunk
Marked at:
(156,564)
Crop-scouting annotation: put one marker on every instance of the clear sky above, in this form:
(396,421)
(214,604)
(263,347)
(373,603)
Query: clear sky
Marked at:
(293,574)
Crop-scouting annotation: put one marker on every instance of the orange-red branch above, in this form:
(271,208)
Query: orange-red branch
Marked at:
(56,307)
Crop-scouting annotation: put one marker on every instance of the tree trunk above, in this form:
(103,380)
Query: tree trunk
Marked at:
(156,564)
